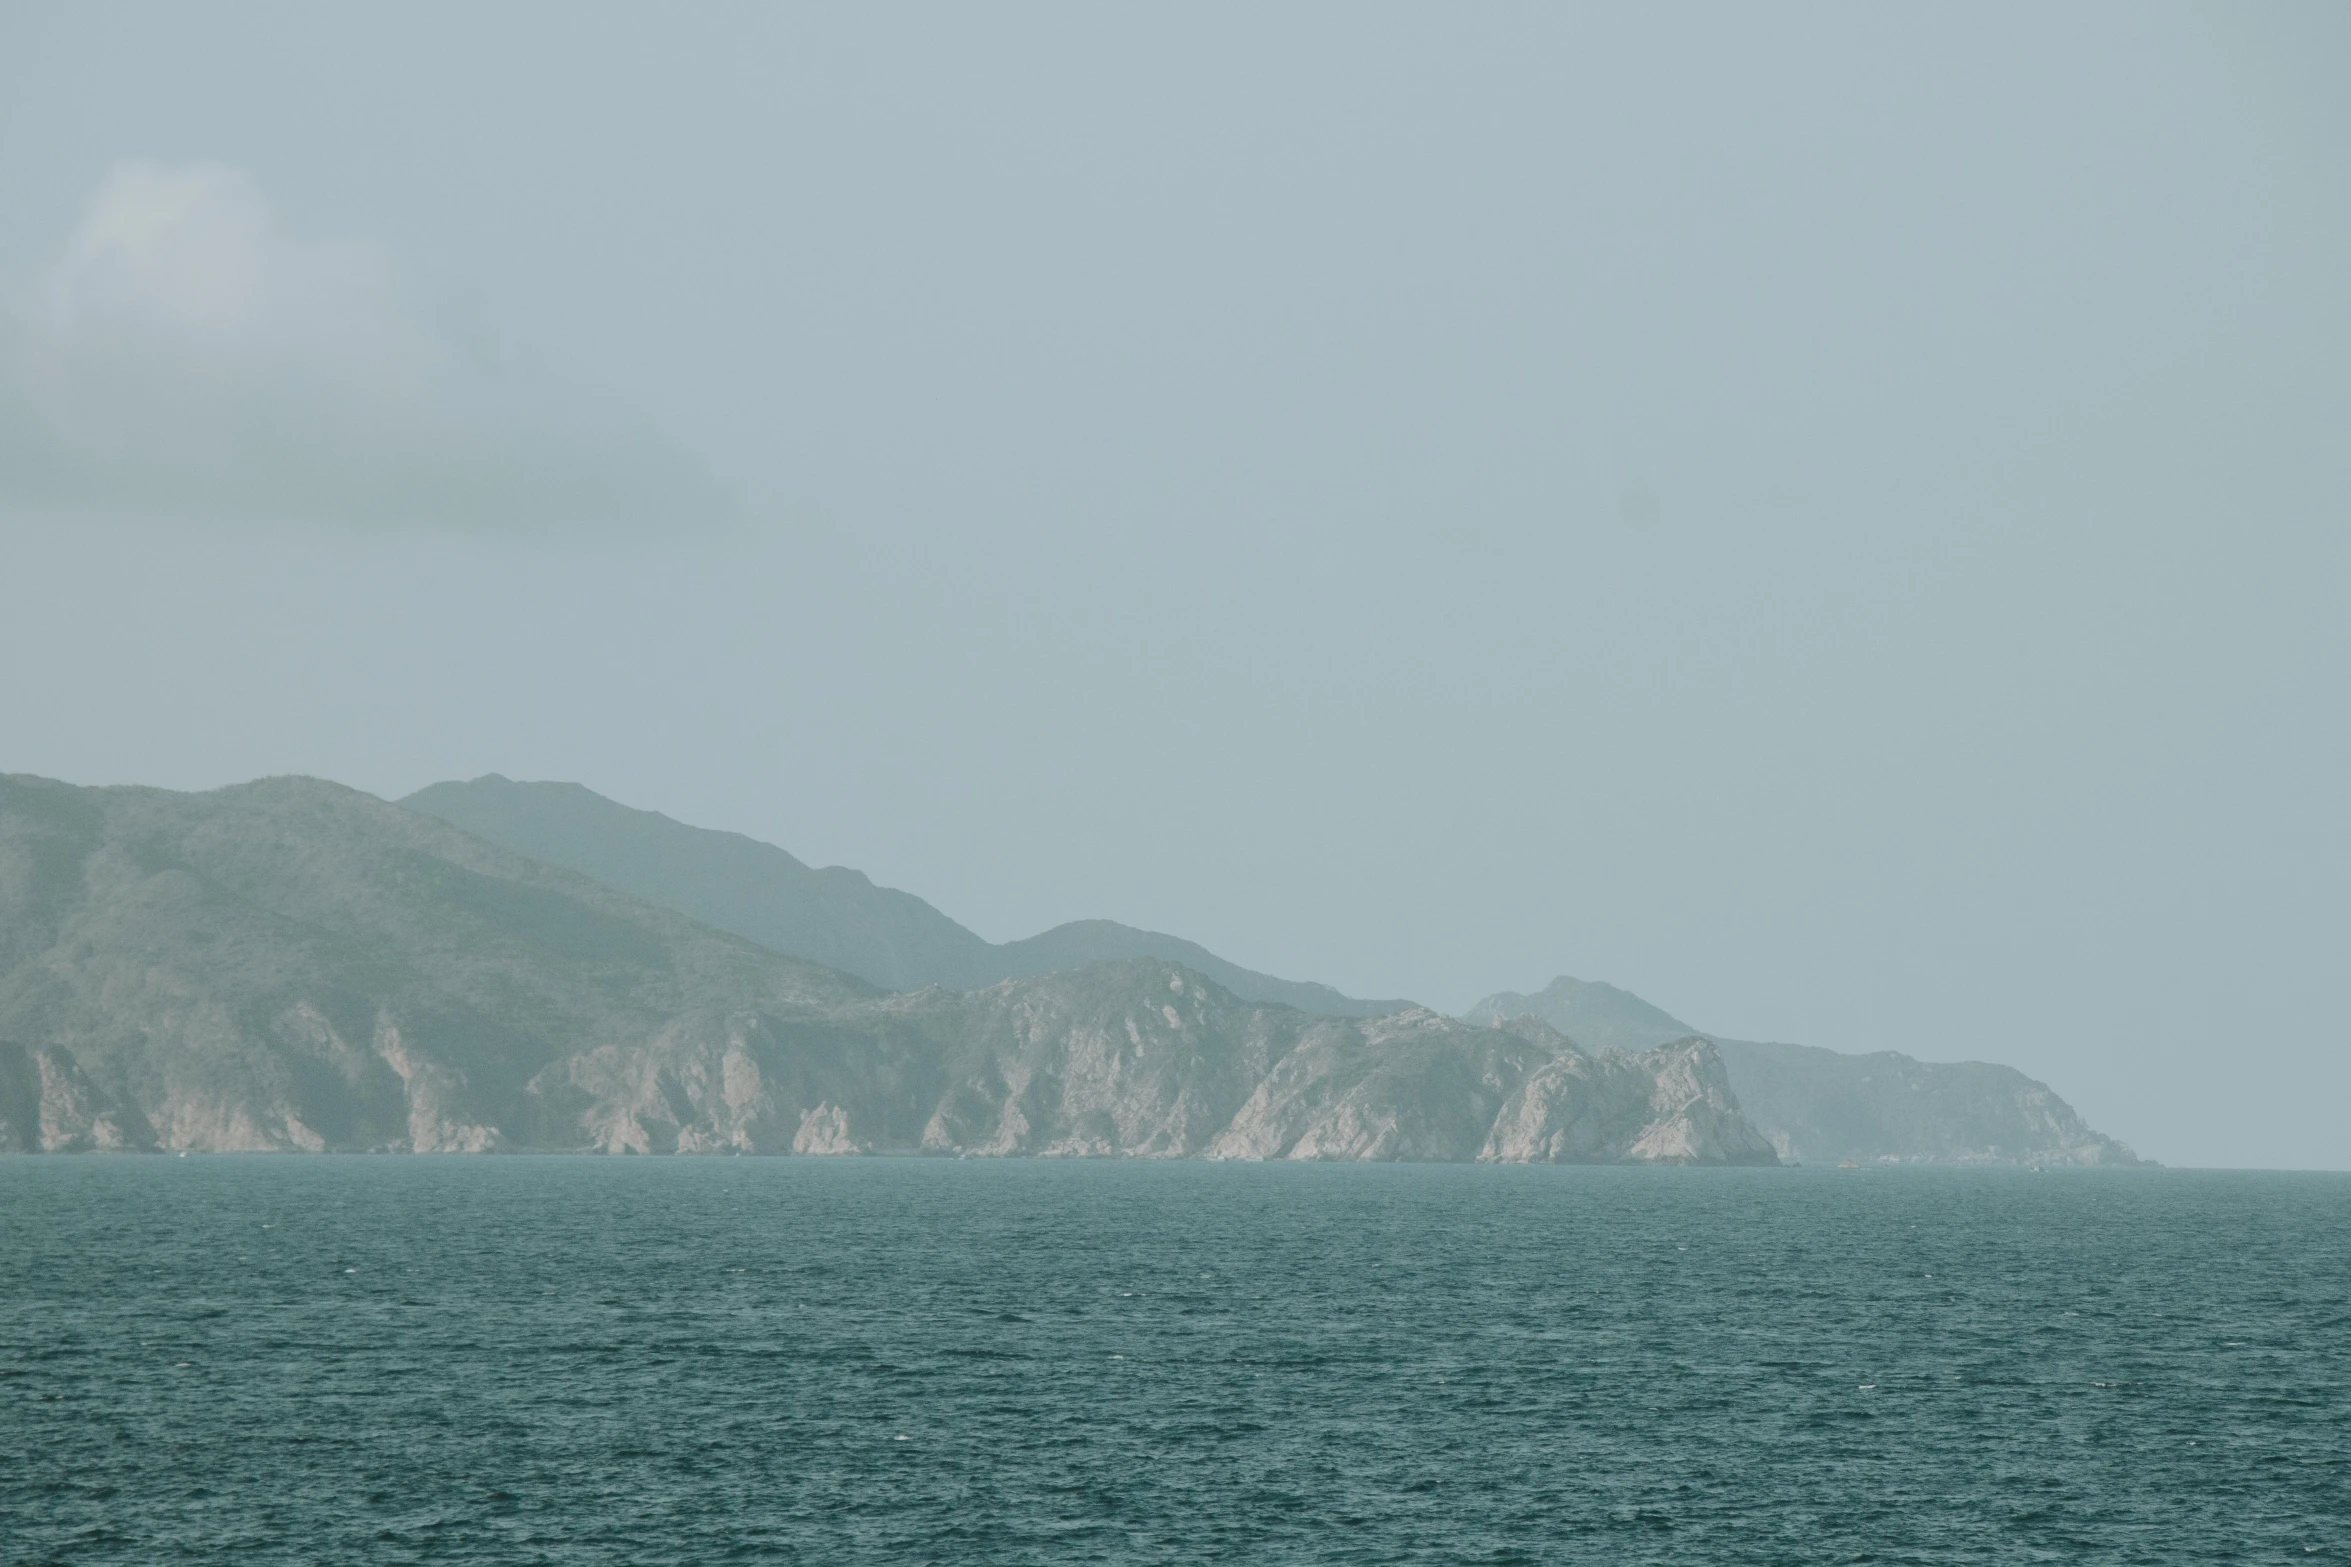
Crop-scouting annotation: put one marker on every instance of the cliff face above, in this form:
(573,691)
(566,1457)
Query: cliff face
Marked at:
(1147,1060)
(293,966)
(47,1105)
(1819,1106)
(1694,1119)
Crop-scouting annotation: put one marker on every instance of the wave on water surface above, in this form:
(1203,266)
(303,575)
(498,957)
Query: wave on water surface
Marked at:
(259,1360)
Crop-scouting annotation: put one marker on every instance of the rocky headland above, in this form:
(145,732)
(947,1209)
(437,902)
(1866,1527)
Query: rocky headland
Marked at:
(1820,1106)
(290,965)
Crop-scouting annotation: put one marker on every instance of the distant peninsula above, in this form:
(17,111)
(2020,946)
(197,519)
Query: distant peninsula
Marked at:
(291,965)
(1819,1106)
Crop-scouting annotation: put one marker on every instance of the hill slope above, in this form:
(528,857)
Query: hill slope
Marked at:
(833,916)
(755,890)
(291,965)
(1821,1106)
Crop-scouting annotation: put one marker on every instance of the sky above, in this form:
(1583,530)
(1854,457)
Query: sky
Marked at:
(1834,518)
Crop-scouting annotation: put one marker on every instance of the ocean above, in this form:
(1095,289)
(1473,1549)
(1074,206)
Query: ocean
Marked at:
(577,1360)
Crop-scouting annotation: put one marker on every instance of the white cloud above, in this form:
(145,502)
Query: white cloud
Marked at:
(184,354)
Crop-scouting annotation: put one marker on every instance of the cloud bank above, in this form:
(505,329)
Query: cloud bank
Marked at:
(185,355)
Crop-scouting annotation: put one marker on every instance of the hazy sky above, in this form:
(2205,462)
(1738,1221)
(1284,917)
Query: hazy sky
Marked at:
(1836,519)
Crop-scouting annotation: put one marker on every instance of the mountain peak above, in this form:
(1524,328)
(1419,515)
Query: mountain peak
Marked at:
(1592,1012)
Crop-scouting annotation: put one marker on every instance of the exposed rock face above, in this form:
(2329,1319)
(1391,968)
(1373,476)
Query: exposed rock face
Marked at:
(48,1105)
(293,966)
(1147,1060)
(1819,1106)
(1557,1114)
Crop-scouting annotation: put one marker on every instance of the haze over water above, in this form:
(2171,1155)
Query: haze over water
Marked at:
(259,1360)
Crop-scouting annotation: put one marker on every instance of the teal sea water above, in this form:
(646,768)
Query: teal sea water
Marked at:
(281,1360)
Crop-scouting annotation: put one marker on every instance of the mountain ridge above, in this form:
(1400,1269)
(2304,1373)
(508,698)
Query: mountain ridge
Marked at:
(1824,1106)
(290,965)
(835,916)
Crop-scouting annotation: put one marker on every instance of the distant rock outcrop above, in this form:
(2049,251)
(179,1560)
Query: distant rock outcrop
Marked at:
(289,965)
(834,916)
(1819,1106)
(47,1105)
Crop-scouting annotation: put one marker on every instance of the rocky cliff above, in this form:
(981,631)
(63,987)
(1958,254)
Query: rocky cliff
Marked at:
(290,965)
(1820,1106)
(1147,1060)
